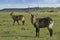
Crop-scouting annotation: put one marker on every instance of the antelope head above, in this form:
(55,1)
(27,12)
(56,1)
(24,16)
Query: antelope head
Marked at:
(11,13)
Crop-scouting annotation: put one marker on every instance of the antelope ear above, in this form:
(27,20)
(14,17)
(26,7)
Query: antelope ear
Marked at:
(11,12)
(32,14)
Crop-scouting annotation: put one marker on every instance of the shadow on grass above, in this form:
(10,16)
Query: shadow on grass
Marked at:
(22,36)
(14,35)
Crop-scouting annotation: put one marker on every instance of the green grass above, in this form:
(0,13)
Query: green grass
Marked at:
(27,31)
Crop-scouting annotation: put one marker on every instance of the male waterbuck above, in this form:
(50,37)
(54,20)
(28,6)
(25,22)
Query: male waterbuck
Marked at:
(38,23)
(17,18)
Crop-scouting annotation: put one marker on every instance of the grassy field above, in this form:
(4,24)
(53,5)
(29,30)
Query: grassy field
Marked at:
(27,31)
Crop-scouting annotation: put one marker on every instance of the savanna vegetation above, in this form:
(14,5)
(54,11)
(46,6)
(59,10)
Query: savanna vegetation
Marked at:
(8,31)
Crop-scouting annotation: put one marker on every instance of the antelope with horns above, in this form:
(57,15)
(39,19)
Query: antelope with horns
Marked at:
(38,23)
(17,18)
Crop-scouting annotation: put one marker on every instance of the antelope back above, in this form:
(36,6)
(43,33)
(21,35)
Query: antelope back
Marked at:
(21,17)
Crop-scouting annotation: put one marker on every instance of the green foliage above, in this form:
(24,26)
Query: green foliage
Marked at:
(27,31)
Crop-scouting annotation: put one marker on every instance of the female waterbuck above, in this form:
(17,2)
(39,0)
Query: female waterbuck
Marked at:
(38,23)
(17,18)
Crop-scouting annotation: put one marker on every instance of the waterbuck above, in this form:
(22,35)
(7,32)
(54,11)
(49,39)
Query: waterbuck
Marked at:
(38,23)
(17,18)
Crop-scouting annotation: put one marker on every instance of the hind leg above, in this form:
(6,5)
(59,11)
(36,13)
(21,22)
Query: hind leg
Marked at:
(51,32)
(14,22)
(50,29)
(23,22)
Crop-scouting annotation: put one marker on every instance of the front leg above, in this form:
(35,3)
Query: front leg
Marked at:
(18,22)
(37,32)
(14,22)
